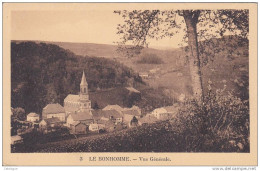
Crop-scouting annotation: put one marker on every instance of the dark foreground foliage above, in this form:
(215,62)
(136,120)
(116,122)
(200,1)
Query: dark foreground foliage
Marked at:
(219,124)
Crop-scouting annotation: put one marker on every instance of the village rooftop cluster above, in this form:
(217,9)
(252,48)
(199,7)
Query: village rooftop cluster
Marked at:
(78,116)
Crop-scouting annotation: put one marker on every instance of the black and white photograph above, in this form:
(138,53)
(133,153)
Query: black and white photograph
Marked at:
(130,80)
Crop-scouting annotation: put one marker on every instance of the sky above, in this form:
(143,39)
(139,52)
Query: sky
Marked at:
(88,26)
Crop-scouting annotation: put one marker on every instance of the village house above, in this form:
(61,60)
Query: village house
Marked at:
(130,113)
(78,127)
(50,124)
(144,75)
(119,114)
(33,117)
(113,107)
(16,139)
(112,115)
(165,113)
(54,111)
(83,117)
(148,119)
(96,127)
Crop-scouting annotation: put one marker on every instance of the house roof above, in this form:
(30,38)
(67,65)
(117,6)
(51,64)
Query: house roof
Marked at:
(97,114)
(131,89)
(143,73)
(16,138)
(170,108)
(109,123)
(133,112)
(71,108)
(72,97)
(113,107)
(96,125)
(33,114)
(166,109)
(81,116)
(102,121)
(76,123)
(160,110)
(51,120)
(53,108)
(108,113)
(148,119)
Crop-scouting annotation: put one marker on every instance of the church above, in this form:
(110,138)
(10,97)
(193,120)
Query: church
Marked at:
(78,103)
(78,107)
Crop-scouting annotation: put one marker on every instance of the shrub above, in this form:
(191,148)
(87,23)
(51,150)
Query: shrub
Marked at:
(220,123)
(150,59)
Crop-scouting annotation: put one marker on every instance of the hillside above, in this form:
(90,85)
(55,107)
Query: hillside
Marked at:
(95,50)
(226,58)
(45,73)
(224,61)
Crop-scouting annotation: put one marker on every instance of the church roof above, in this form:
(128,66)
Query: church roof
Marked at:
(53,108)
(81,116)
(72,97)
(83,80)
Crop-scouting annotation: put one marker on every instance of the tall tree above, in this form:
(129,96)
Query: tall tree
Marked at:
(141,26)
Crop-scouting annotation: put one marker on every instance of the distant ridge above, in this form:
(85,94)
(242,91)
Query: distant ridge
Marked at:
(95,49)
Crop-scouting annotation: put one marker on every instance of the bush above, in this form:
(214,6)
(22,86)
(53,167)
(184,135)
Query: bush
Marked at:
(219,124)
(150,59)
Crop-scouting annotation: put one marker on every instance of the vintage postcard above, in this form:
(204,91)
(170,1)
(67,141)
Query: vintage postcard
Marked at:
(132,84)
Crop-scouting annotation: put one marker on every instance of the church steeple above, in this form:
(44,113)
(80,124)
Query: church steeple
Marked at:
(85,104)
(83,80)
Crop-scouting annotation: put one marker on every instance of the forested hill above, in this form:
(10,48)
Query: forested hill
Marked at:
(45,73)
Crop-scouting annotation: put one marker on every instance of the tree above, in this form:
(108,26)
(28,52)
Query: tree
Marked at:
(140,26)
(19,113)
(95,106)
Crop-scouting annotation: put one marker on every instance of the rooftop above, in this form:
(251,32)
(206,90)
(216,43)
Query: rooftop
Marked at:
(75,123)
(108,113)
(81,116)
(148,119)
(113,107)
(33,115)
(52,120)
(72,97)
(16,137)
(133,112)
(53,108)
